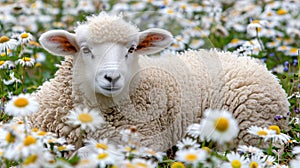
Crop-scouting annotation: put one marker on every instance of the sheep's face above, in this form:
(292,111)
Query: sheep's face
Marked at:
(110,64)
(105,66)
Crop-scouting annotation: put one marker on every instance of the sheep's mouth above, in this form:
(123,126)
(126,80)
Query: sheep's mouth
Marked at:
(111,89)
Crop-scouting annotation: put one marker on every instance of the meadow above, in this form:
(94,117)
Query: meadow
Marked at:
(266,30)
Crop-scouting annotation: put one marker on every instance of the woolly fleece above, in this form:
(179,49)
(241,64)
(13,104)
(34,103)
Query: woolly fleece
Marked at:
(168,94)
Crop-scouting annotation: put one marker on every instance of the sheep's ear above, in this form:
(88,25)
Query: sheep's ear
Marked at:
(153,40)
(59,42)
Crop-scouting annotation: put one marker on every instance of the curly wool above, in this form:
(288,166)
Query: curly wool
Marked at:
(105,28)
(166,95)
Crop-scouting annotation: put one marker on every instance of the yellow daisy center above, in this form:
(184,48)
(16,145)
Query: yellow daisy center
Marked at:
(10,138)
(4,39)
(191,157)
(222,124)
(24,35)
(283,47)
(21,102)
(30,159)
(234,41)
(85,118)
(101,146)
(253,165)
(29,140)
(2,62)
(177,165)
(140,164)
(34,129)
(281,12)
(42,133)
(27,59)
(236,164)
(255,21)
(61,148)
(292,50)
(102,156)
(206,149)
(275,128)
(262,133)
(170,11)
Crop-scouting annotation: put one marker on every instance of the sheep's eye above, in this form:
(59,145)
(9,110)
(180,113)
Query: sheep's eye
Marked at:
(85,50)
(131,49)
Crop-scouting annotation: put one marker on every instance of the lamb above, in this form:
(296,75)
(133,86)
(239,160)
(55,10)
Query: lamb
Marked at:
(106,68)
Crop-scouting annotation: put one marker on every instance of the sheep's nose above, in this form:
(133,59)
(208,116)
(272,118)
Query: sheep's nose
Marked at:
(112,78)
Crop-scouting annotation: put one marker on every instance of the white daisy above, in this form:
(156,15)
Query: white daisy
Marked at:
(187,143)
(278,136)
(256,161)
(269,160)
(192,156)
(105,158)
(142,163)
(194,130)
(295,162)
(22,105)
(85,118)
(12,79)
(25,37)
(7,44)
(26,62)
(219,126)
(6,64)
(250,150)
(235,161)
(261,132)
(296,150)
(86,163)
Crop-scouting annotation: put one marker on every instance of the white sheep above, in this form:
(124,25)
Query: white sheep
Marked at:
(106,69)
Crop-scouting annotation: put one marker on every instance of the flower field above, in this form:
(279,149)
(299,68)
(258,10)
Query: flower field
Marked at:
(266,30)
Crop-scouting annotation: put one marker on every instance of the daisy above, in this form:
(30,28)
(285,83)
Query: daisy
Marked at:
(296,150)
(256,162)
(99,146)
(196,43)
(194,130)
(235,161)
(261,132)
(149,153)
(192,156)
(7,44)
(6,65)
(295,162)
(86,163)
(293,52)
(26,61)
(269,160)
(25,37)
(250,150)
(22,105)
(256,25)
(278,136)
(142,163)
(104,158)
(219,126)
(177,165)
(12,79)
(187,143)
(235,42)
(85,118)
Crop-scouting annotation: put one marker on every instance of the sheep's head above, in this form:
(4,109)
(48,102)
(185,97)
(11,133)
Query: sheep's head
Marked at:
(106,48)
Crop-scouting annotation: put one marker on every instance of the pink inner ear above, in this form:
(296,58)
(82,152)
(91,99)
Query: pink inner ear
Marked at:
(63,43)
(150,40)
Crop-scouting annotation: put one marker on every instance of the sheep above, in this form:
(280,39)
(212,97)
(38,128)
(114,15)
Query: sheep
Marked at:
(106,68)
